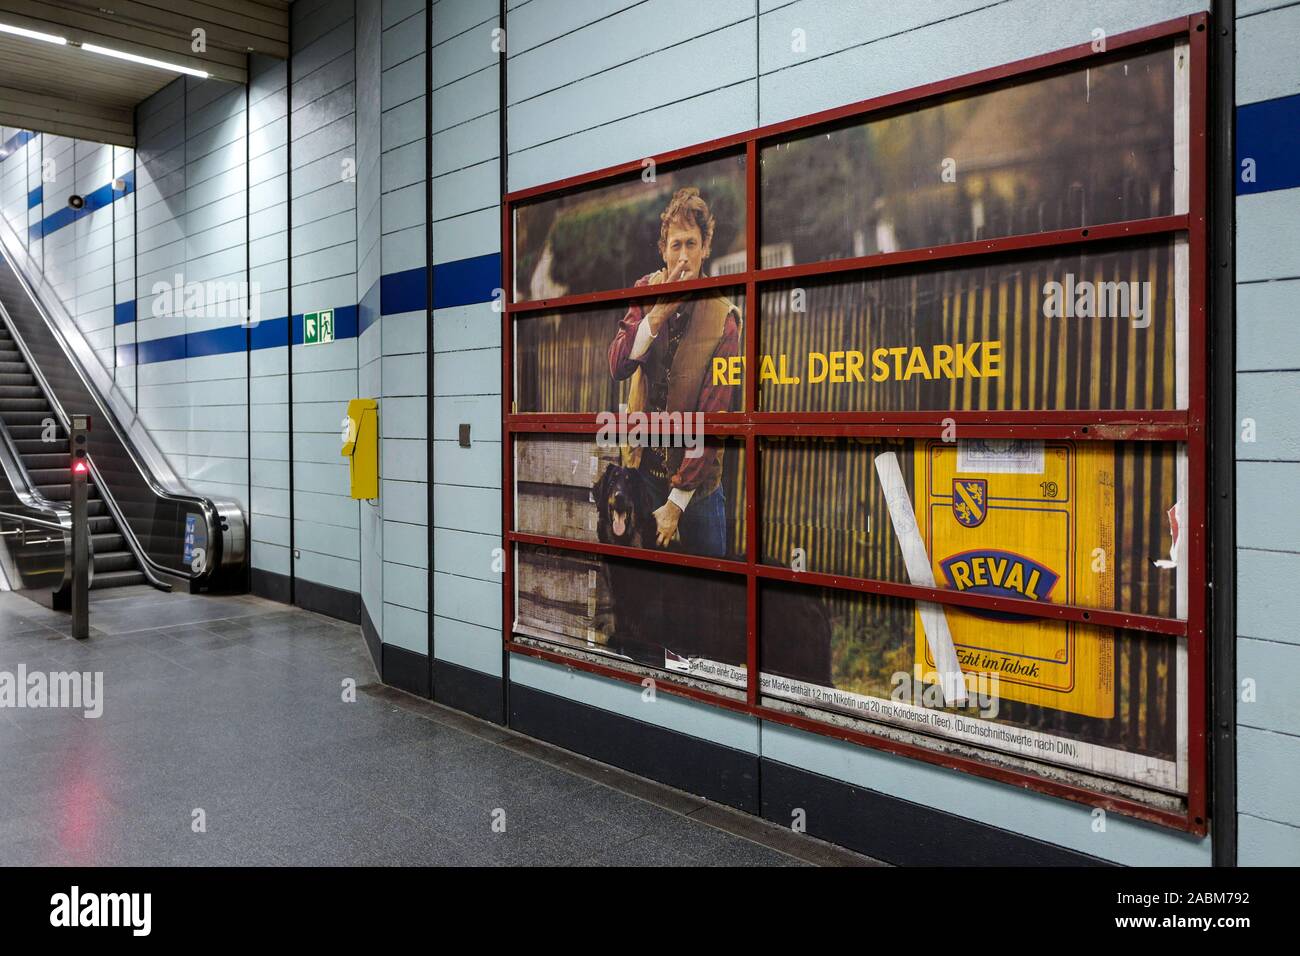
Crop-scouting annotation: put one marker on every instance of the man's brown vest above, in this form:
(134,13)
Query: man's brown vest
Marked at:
(690,370)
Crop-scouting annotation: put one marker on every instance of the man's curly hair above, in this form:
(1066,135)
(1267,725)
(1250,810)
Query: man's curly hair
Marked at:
(688,207)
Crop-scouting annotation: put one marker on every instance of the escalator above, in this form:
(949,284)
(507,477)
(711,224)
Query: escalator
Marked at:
(42,448)
(146,527)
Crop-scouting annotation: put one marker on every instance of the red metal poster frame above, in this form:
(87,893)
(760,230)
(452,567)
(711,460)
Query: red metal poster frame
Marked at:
(749,425)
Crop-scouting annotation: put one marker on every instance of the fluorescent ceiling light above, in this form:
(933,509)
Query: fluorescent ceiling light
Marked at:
(32,34)
(144,59)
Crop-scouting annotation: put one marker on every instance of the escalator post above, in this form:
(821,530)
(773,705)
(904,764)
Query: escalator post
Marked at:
(80,530)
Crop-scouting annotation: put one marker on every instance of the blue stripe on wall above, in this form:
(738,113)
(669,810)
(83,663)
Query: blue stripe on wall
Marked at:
(20,138)
(396,292)
(466,281)
(124,312)
(35,196)
(103,196)
(1269,134)
(368,307)
(406,291)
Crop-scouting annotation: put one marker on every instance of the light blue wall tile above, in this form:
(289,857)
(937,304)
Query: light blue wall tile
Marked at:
(1268,774)
(1266,328)
(1274,667)
(406,628)
(1266,66)
(1268,235)
(468,645)
(1266,843)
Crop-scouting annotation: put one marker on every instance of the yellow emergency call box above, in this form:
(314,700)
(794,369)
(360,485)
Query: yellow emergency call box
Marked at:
(361,447)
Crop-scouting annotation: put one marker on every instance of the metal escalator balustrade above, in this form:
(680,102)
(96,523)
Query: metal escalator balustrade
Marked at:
(30,421)
(140,509)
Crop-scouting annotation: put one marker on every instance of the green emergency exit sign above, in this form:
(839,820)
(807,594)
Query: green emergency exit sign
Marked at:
(318,327)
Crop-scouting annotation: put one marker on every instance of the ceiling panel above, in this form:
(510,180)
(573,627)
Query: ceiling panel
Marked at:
(44,85)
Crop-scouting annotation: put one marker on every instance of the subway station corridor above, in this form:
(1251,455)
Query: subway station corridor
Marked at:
(686,433)
(234,706)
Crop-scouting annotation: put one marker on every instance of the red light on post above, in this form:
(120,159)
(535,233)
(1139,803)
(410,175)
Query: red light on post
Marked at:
(79,468)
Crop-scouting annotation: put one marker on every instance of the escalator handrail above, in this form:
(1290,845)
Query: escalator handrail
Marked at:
(210,509)
(148,566)
(27,495)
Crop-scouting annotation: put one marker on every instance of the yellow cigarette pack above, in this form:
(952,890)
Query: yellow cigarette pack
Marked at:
(1032,520)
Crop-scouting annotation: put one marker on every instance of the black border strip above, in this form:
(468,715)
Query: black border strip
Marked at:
(1222,492)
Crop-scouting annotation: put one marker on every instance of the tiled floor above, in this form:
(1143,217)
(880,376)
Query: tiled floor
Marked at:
(233,706)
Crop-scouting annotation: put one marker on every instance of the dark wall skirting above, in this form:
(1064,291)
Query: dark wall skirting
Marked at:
(272,586)
(321,598)
(469,690)
(373,642)
(332,602)
(405,670)
(899,831)
(709,770)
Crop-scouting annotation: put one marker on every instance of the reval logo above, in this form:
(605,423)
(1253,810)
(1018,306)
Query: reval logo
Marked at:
(998,574)
(133,910)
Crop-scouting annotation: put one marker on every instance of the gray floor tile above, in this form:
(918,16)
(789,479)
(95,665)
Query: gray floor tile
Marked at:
(234,705)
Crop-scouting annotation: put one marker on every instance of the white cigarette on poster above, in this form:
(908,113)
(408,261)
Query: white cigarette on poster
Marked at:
(921,574)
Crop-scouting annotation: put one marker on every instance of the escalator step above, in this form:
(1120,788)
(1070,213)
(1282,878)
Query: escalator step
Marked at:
(19,418)
(114,561)
(47,476)
(108,542)
(102,525)
(10,367)
(36,403)
(116,579)
(28,439)
(22,390)
(17,378)
(44,459)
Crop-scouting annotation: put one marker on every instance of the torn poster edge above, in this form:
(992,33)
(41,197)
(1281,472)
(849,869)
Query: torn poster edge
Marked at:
(934,621)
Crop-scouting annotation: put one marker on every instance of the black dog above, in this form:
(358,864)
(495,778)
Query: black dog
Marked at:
(625,517)
(624,509)
(694,614)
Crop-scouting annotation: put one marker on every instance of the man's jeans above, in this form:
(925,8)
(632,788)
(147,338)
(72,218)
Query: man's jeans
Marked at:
(702,526)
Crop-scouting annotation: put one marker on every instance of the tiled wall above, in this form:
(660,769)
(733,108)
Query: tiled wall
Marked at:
(85,253)
(589,84)
(322,129)
(1268,401)
(191,154)
(403,346)
(268,364)
(466,334)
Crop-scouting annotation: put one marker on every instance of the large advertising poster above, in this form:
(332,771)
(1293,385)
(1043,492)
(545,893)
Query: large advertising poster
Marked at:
(645,539)
(1051,521)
